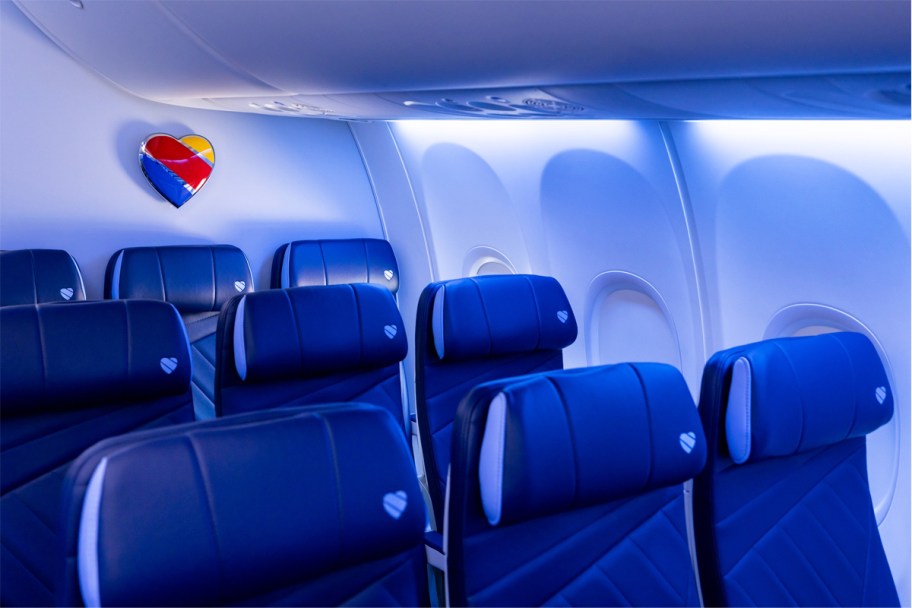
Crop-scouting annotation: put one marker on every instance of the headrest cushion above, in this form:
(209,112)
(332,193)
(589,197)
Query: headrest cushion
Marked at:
(333,262)
(562,440)
(33,276)
(310,331)
(498,315)
(89,353)
(167,520)
(795,394)
(193,278)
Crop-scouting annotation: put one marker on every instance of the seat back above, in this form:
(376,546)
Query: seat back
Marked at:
(783,513)
(470,331)
(312,507)
(70,376)
(308,345)
(566,489)
(333,262)
(34,276)
(197,280)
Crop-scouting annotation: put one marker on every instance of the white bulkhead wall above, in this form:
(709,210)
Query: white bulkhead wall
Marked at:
(674,241)
(70,176)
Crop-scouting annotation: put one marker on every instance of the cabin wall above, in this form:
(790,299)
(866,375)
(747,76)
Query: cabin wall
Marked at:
(70,175)
(674,241)
(804,229)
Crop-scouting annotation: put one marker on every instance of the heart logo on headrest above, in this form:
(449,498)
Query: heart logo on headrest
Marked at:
(688,441)
(176,168)
(562,316)
(390,331)
(395,503)
(168,364)
(881,393)
(66,293)
(240,285)
(388,274)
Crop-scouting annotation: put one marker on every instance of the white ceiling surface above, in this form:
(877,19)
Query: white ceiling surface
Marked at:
(389,59)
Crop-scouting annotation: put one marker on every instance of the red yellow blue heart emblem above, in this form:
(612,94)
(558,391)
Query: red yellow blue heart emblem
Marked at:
(177,168)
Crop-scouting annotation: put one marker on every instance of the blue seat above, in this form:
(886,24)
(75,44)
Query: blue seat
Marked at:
(333,262)
(783,513)
(474,330)
(198,280)
(312,507)
(566,488)
(34,276)
(70,376)
(310,345)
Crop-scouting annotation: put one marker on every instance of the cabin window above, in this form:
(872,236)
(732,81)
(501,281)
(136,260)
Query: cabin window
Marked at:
(481,261)
(629,321)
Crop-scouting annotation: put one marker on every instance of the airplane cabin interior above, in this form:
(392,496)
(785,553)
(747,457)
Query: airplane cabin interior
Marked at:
(455,302)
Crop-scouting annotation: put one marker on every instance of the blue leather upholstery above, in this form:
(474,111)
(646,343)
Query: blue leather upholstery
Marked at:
(590,464)
(71,376)
(305,345)
(794,524)
(312,506)
(333,262)
(195,278)
(34,276)
(198,280)
(488,327)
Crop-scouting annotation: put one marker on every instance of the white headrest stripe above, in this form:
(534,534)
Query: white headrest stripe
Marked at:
(286,268)
(240,348)
(738,414)
(115,278)
(79,274)
(437,321)
(491,459)
(87,555)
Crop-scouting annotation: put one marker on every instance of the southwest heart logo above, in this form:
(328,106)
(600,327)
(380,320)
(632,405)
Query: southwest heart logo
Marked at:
(176,168)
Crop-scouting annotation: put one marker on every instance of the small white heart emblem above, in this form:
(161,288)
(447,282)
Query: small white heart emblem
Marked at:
(239,286)
(562,316)
(881,393)
(388,274)
(66,293)
(390,331)
(688,441)
(395,503)
(168,364)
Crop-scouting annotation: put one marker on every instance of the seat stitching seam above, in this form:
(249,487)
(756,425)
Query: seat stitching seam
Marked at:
(197,465)
(785,514)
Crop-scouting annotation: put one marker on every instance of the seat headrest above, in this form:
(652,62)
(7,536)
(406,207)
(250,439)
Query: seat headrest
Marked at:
(216,512)
(311,331)
(562,440)
(34,276)
(333,262)
(790,395)
(195,278)
(500,314)
(89,353)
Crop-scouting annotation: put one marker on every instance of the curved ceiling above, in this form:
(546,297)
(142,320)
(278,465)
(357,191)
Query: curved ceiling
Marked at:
(393,59)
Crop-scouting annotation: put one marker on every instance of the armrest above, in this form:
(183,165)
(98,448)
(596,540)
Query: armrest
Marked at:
(433,547)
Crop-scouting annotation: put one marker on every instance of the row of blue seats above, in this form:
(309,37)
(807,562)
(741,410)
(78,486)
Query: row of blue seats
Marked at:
(198,281)
(492,329)
(564,486)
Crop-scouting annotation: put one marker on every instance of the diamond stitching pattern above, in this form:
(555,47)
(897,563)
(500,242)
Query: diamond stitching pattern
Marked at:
(618,573)
(42,567)
(634,552)
(804,514)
